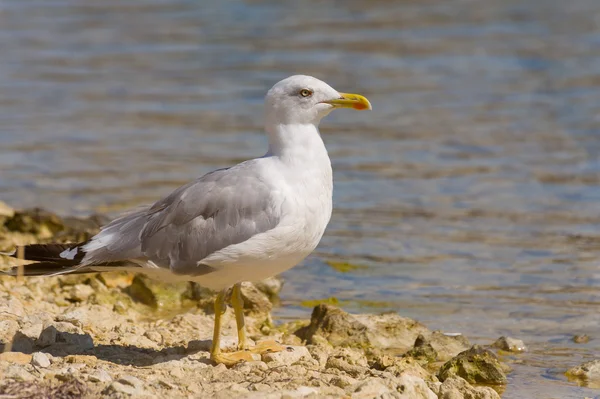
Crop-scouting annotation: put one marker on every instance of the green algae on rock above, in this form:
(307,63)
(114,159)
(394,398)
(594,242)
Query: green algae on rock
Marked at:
(476,365)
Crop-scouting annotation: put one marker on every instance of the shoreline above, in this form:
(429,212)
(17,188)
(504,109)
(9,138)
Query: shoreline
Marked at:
(118,335)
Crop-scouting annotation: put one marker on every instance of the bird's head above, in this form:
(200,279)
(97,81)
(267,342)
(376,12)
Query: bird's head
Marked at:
(302,99)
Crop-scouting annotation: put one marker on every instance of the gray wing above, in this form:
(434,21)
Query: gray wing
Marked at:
(222,208)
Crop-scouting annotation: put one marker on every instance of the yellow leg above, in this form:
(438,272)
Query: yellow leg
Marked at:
(238,308)
(228,359)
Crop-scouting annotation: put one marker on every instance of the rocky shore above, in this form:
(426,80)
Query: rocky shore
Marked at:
(118,335)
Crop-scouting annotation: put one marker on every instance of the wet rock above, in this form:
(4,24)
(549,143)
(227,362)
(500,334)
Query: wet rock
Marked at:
(476,365)
(581,339)
(334,326)
(40,359)
(155,293)
(457,388)
(510,344)
(588,370)
(290,355)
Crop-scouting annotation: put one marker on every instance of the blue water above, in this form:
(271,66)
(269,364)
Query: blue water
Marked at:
(469,197)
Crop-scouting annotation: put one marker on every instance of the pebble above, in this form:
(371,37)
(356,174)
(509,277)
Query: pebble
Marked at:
(40,359)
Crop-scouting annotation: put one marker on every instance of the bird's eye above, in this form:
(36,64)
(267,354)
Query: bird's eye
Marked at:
(306,93)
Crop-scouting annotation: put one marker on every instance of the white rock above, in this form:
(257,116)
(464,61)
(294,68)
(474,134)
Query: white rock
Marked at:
(100,375)
(414,387)
(40,359)
(290,355)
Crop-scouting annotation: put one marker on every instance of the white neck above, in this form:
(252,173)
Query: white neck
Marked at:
(296,143)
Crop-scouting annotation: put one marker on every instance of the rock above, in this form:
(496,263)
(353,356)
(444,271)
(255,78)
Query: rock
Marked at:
(410,366)
(338,328)
(447,345)
(35,221)
(270,286)
(66,333)
(589,370)
(32,325)
(11,308)
(88,360)
(40,359)
(335,326)
(47,337)
(581,339)
(117,387)
(15,357)
(17,372)
(80,292)
(131,381)
(155,293)
(255,302)
(100,375)
(476,365)
(8,329)
(350,361)
(457,388)
(510,344)
(413,387)
(5,210)
(422,350)
(390,330)
(154,337)
(291,355)
(371,388)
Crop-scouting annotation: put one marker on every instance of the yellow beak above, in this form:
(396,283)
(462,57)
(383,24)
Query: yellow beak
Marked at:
(348,100)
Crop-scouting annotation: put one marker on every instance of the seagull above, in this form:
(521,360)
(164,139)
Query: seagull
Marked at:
(244,223)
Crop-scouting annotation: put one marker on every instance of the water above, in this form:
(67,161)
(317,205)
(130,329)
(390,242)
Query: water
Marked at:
(469,197)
